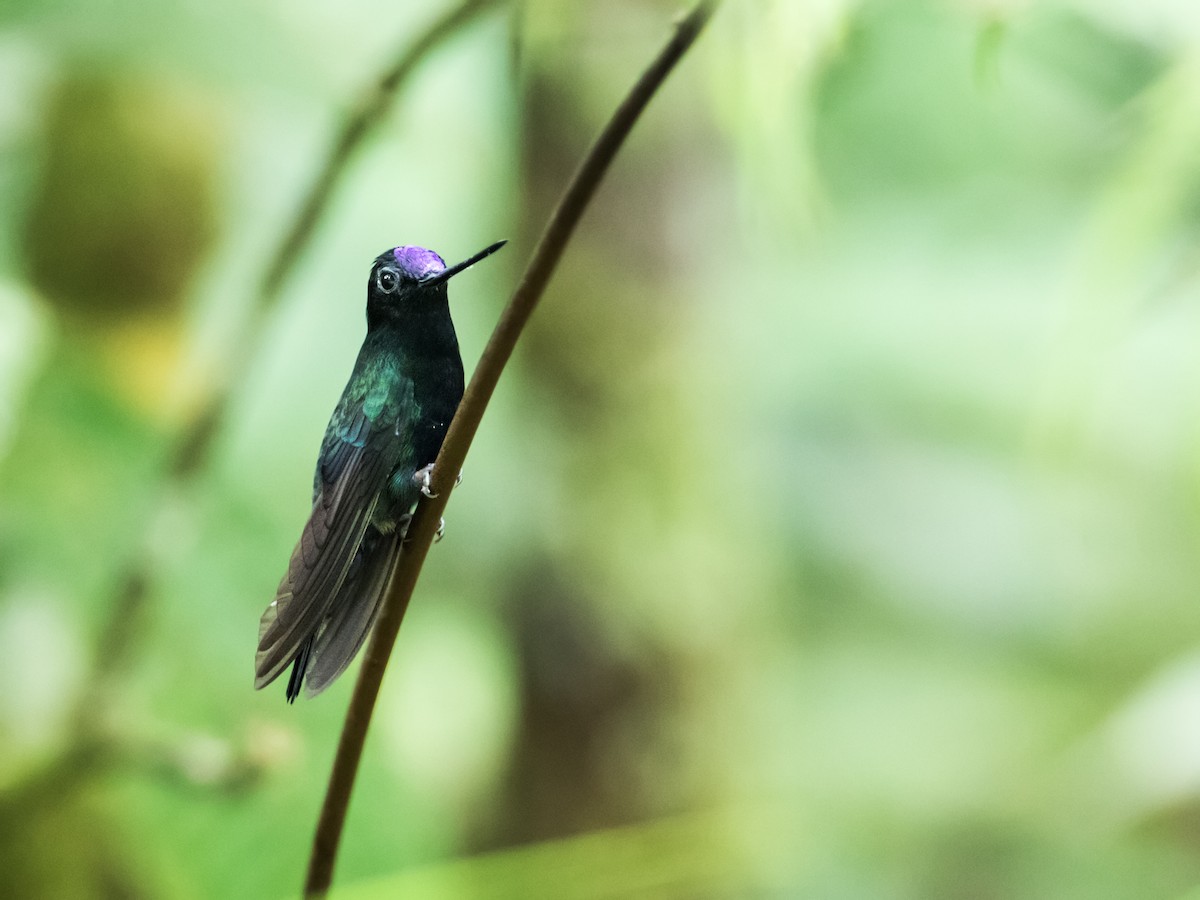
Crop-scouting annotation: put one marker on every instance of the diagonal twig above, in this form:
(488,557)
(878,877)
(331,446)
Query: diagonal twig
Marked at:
(367,112)
(462,430)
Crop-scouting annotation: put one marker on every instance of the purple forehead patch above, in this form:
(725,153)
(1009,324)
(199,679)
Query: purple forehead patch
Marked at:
(418,262)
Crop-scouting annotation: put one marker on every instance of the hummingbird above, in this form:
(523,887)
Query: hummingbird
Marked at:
(375,461)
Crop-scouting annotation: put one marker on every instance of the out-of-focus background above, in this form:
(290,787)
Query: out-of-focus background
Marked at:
(835,532)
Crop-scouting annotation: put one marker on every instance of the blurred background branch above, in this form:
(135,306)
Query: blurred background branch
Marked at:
(366,113)
(191,448)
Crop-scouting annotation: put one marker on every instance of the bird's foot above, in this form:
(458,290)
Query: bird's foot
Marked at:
(407,520)
(422,478)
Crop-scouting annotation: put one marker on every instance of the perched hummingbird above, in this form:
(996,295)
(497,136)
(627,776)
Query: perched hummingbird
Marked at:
(375,460)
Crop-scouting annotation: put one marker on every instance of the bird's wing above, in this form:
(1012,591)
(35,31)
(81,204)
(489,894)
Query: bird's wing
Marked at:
(354,612)
(365,440)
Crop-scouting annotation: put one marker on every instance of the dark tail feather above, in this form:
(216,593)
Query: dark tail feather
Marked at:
(353,613)
(299,667)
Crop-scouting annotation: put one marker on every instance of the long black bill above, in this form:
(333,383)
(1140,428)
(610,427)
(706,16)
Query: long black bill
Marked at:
(449,273)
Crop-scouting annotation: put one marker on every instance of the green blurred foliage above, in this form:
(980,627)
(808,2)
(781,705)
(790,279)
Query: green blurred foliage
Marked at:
(833,533)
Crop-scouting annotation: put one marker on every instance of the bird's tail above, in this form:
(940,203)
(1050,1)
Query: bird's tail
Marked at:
(299,667)
(352,613)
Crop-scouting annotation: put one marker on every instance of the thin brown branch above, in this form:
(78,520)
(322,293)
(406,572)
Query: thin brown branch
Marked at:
(462,431)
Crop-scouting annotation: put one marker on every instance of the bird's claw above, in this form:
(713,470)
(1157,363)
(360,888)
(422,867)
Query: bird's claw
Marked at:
(437,535)
(423,478)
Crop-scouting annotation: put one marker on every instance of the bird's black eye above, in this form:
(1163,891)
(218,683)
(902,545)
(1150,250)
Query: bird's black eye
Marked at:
(387,280)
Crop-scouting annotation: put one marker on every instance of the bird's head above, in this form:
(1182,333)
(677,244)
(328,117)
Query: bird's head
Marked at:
(408,282)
